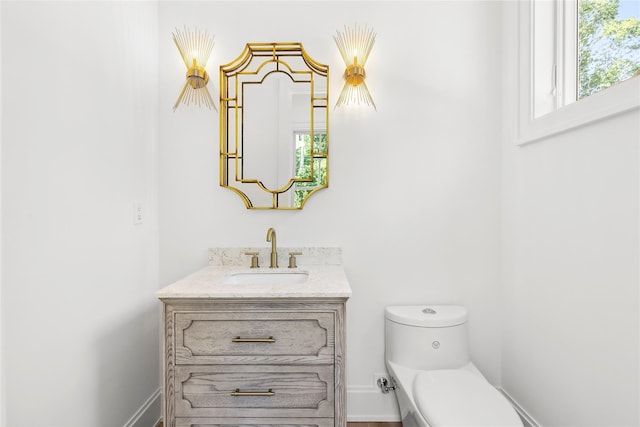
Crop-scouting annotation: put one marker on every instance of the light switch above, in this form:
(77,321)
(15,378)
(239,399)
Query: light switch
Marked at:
(138,213)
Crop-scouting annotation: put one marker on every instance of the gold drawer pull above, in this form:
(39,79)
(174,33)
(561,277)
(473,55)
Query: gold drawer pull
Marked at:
(270,392)
(268,340)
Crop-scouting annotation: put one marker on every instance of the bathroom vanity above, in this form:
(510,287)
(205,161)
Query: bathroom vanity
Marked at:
(255,347)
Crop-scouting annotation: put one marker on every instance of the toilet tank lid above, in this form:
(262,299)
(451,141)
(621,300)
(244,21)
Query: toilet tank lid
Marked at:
(430,316)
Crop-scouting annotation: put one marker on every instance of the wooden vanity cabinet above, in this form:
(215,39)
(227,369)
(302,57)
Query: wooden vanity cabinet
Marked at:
(254,362)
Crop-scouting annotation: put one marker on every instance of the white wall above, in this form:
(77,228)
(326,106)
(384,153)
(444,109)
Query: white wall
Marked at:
(571,256)
(414,187)
(416,201)
(2,387)
(80,323)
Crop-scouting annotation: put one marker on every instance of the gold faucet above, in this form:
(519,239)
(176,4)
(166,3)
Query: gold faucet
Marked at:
(271,237)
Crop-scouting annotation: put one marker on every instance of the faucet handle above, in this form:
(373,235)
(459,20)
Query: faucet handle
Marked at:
(292,259)
(254,259)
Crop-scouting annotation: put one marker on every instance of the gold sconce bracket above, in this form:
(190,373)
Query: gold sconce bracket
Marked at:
(197,76)
(354,74)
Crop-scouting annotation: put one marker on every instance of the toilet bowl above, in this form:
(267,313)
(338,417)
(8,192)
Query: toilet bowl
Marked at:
(427,356)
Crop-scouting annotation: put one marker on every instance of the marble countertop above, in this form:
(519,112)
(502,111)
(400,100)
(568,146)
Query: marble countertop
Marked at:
(324,281)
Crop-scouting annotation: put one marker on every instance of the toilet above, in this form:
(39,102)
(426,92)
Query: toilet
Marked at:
(427,356)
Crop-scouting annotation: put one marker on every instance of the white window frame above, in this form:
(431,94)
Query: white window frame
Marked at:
(565,112)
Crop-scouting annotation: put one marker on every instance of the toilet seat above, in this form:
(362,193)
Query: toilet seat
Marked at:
(456,397)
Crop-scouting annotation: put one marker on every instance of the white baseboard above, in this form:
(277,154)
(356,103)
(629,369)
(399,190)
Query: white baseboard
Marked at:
(364,403)
(368,403)
(527,419)
(149,413)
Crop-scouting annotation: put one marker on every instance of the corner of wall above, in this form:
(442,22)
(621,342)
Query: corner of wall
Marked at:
(149,413)
(2,400)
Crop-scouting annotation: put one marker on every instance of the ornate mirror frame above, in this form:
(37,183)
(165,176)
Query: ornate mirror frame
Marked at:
(269,158)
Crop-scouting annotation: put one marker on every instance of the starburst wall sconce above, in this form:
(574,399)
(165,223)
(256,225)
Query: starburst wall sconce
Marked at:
(355,44)
(195,47)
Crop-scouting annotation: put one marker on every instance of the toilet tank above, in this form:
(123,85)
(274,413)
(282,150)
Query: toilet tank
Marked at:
(427,337)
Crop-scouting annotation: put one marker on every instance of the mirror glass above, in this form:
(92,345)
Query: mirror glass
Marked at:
(274,126)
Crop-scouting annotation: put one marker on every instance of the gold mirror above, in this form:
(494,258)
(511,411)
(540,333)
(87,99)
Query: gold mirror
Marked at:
(274,126)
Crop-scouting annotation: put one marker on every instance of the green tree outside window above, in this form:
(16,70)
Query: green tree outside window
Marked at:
(608,45)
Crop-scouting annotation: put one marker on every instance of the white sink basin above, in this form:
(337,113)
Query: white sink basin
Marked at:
(266,277)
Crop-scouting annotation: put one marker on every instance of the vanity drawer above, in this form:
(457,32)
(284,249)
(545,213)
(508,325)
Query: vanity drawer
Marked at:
(254,391)
(254,422)
(254,337)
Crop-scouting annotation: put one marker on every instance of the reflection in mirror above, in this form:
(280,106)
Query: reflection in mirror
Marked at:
(274,126)
(309,173)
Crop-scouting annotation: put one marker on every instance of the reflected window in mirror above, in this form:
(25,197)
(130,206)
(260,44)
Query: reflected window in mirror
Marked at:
(307,166)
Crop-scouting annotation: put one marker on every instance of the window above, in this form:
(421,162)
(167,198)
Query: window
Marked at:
(570,52)
(608,43)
